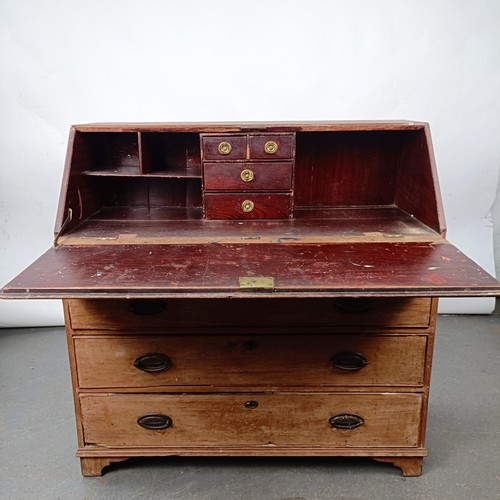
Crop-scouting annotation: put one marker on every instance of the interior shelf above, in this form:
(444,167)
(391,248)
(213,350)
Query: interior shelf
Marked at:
(180,173)
(186,225)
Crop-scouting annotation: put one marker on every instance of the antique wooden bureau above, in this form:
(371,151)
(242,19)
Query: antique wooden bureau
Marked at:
(258,289)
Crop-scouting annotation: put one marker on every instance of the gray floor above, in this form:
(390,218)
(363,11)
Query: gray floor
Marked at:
(37,436)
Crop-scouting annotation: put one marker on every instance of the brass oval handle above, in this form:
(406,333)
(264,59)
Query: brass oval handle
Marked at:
(247,175)
(251,405)
(147,307)
(346,421)
(270,147)
(247,206)
(353,304)
(155,421)
(349,361)
(153,362)
(224,148)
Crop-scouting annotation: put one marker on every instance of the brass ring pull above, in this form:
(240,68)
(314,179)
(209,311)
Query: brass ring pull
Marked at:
(247,175)
(270,147)
(247,206)
(224,148)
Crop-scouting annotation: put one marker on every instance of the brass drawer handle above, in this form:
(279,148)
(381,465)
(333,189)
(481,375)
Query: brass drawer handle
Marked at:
(354,304)
(349,361)
(346,421)
(153,362)
(147,307)
(247,175)
(155,421)
(224,148)
(270,147)
(247,206)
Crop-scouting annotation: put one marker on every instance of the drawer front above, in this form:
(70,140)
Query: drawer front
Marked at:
(172,314)
(248,206)
(275,176)
(121,420)
(258,361)
(271,147)
(224,147)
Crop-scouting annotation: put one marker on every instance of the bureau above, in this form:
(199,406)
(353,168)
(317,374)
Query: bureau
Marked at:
(252,289)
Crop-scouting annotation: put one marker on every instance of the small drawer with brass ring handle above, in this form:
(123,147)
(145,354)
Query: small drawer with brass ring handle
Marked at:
(153,362)
(224,148)
(247,206)
(271,147)
(346,421)
(155,421)
(247,175)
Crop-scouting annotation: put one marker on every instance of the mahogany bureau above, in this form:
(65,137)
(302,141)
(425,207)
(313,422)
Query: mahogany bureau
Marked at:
(257,289)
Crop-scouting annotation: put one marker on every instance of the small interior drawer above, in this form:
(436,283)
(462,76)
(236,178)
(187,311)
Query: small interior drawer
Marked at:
(143,314)
(224,147)
(248,206)
(337,420)
(250,361)
(271,147)
(263,176)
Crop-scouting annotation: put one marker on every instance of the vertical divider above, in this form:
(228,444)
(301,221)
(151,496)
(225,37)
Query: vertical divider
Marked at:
(140,146)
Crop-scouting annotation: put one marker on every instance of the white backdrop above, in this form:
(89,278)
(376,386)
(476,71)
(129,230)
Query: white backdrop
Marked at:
(69,61)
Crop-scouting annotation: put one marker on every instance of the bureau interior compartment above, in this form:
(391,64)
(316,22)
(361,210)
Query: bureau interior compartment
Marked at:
(129,177)
(377,170)
(347,182)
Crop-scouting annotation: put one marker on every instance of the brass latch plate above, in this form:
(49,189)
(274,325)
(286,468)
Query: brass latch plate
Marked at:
(259,282)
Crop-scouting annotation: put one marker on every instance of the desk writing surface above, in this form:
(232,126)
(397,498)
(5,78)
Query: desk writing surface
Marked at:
(355,269)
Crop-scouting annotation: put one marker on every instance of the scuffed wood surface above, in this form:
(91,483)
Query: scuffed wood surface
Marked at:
(418,269)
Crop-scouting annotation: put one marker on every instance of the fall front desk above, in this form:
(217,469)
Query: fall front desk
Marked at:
(251,289)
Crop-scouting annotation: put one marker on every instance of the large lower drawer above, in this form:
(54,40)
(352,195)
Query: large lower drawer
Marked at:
(250,361)
(119,420)
(102,314)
